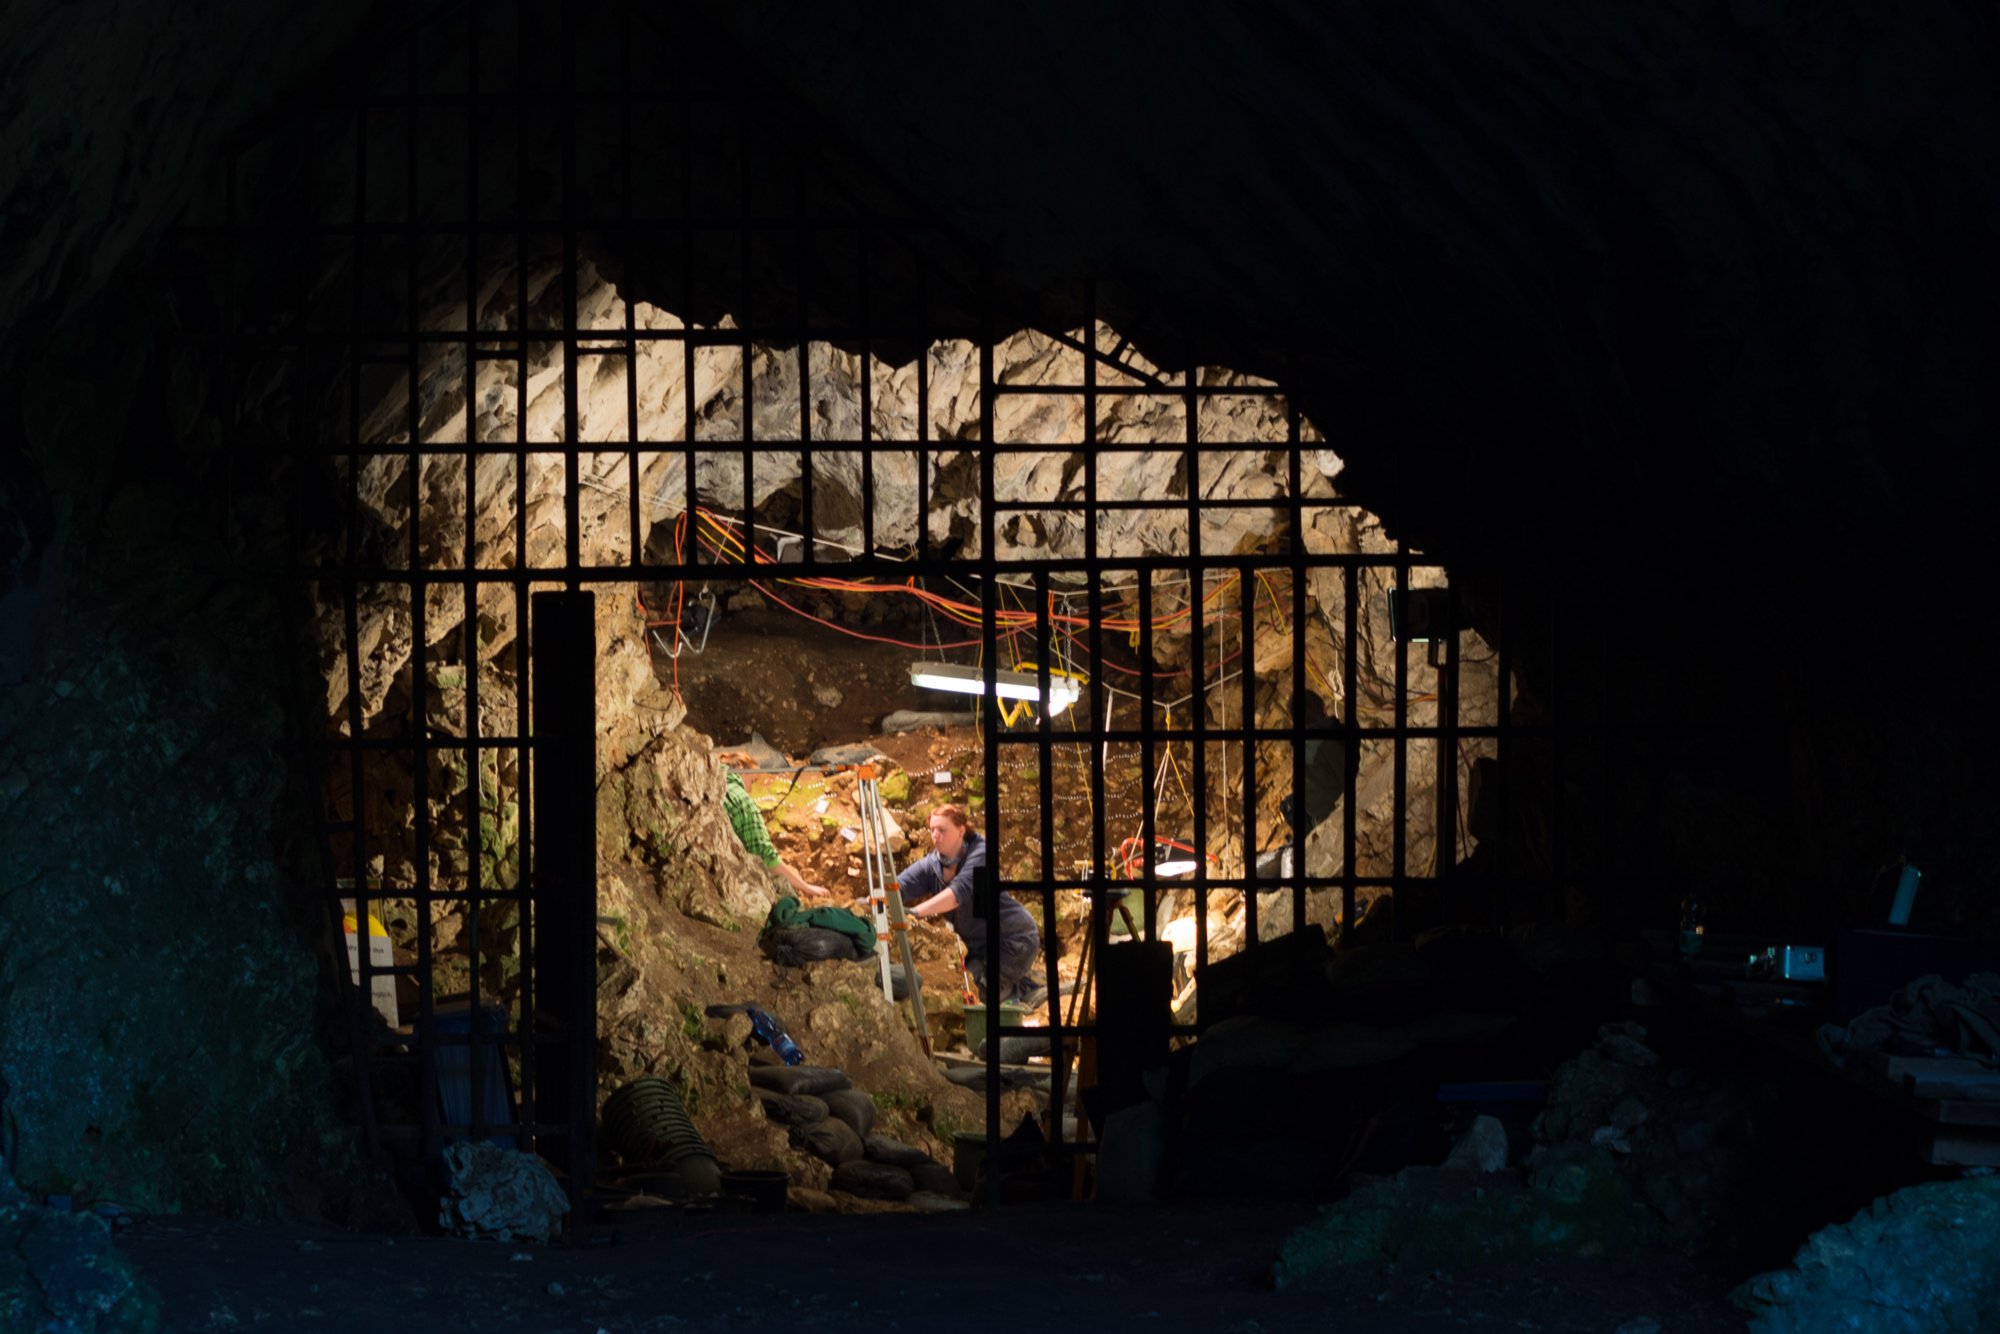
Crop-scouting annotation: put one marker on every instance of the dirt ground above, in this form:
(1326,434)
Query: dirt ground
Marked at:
(1170,1268)
(799,689)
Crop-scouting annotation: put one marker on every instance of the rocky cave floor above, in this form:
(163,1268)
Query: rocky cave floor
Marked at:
(832,1262)
(1171,1267)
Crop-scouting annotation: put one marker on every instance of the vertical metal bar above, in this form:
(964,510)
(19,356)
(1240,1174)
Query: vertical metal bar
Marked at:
(989,710)
(1045,790)
(533,1109)
(469,611)
(1148,732)
(1351,721)
(351,588)
(1558,721)
(1301,831)
(1198,746)
(1607,778)
(688,302)
(808,527)
(1097,743)
(629,297)
(1300,573)
(1446,855)
(923,547)
(572,457)
(1197,643)
(1246,617)
(1398,865)
(1503,725)
(747,325)
(867,397)
(564,747)
(420,750)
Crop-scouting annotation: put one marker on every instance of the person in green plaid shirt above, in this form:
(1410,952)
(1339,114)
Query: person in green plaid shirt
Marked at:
(748,821)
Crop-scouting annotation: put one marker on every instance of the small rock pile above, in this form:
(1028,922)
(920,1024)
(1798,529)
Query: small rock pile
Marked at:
(1678,1137)
(833,1121)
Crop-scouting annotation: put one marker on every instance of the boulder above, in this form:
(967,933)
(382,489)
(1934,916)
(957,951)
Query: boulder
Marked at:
(1483,1149)
(501,1193)
(1920,1259)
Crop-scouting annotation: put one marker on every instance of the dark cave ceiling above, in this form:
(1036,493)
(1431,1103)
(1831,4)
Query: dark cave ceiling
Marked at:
(1715,270)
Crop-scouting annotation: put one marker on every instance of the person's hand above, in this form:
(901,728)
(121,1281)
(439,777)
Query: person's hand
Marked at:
(818,891)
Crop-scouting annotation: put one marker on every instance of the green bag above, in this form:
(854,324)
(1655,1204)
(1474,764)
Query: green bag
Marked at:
(786,914)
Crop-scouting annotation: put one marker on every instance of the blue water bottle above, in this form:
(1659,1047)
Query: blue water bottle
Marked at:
(766,1028)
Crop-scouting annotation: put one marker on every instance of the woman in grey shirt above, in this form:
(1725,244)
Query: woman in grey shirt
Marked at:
(939,884)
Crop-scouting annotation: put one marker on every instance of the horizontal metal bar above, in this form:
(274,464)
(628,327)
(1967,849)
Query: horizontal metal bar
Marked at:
(347,745)
(874,445)
(1030,741)
(877,565)
(1173,504)
(675,224)
(391,894)
(1158,390)
(787,335)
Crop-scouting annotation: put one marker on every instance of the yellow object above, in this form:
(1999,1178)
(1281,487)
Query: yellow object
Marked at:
(375,928)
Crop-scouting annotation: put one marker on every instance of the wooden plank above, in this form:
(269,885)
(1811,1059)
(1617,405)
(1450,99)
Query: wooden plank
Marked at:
(1950,1079)
(1963,1148)
(1959,1111)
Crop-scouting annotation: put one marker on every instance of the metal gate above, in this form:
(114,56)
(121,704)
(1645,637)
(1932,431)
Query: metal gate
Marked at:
(442,225)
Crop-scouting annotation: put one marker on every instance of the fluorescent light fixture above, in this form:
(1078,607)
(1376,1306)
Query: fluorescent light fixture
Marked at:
(1063,692)
(1174,868)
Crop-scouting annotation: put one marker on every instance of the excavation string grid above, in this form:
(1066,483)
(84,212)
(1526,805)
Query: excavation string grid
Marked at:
(556,457)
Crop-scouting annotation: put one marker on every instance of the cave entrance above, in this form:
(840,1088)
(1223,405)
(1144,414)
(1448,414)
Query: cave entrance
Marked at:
(521,323)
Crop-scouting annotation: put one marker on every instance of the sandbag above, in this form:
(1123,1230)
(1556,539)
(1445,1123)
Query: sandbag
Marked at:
(882,1149)
(791,1109)
(1016,1051)
(852,1106)
(872,1181)
(830,1141)
(811,1080)
(791,946)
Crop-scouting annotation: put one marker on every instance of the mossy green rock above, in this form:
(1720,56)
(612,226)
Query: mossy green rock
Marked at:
(166,964)
(1922,1259)
(895,789)
(1426,1217)
(59,1271)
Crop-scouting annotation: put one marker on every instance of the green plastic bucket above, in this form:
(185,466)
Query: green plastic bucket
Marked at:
(1011,1014)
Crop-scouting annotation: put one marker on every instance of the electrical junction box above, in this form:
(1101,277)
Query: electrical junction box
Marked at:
(1799,963)
(1789,963)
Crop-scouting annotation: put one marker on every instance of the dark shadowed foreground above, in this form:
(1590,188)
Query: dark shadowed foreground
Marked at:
(1027,1268)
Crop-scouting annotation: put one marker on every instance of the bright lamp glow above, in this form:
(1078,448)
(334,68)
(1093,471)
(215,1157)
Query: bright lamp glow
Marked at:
(1063,692)
(1173,868)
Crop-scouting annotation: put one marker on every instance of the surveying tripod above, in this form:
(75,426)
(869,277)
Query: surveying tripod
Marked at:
(885,900)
